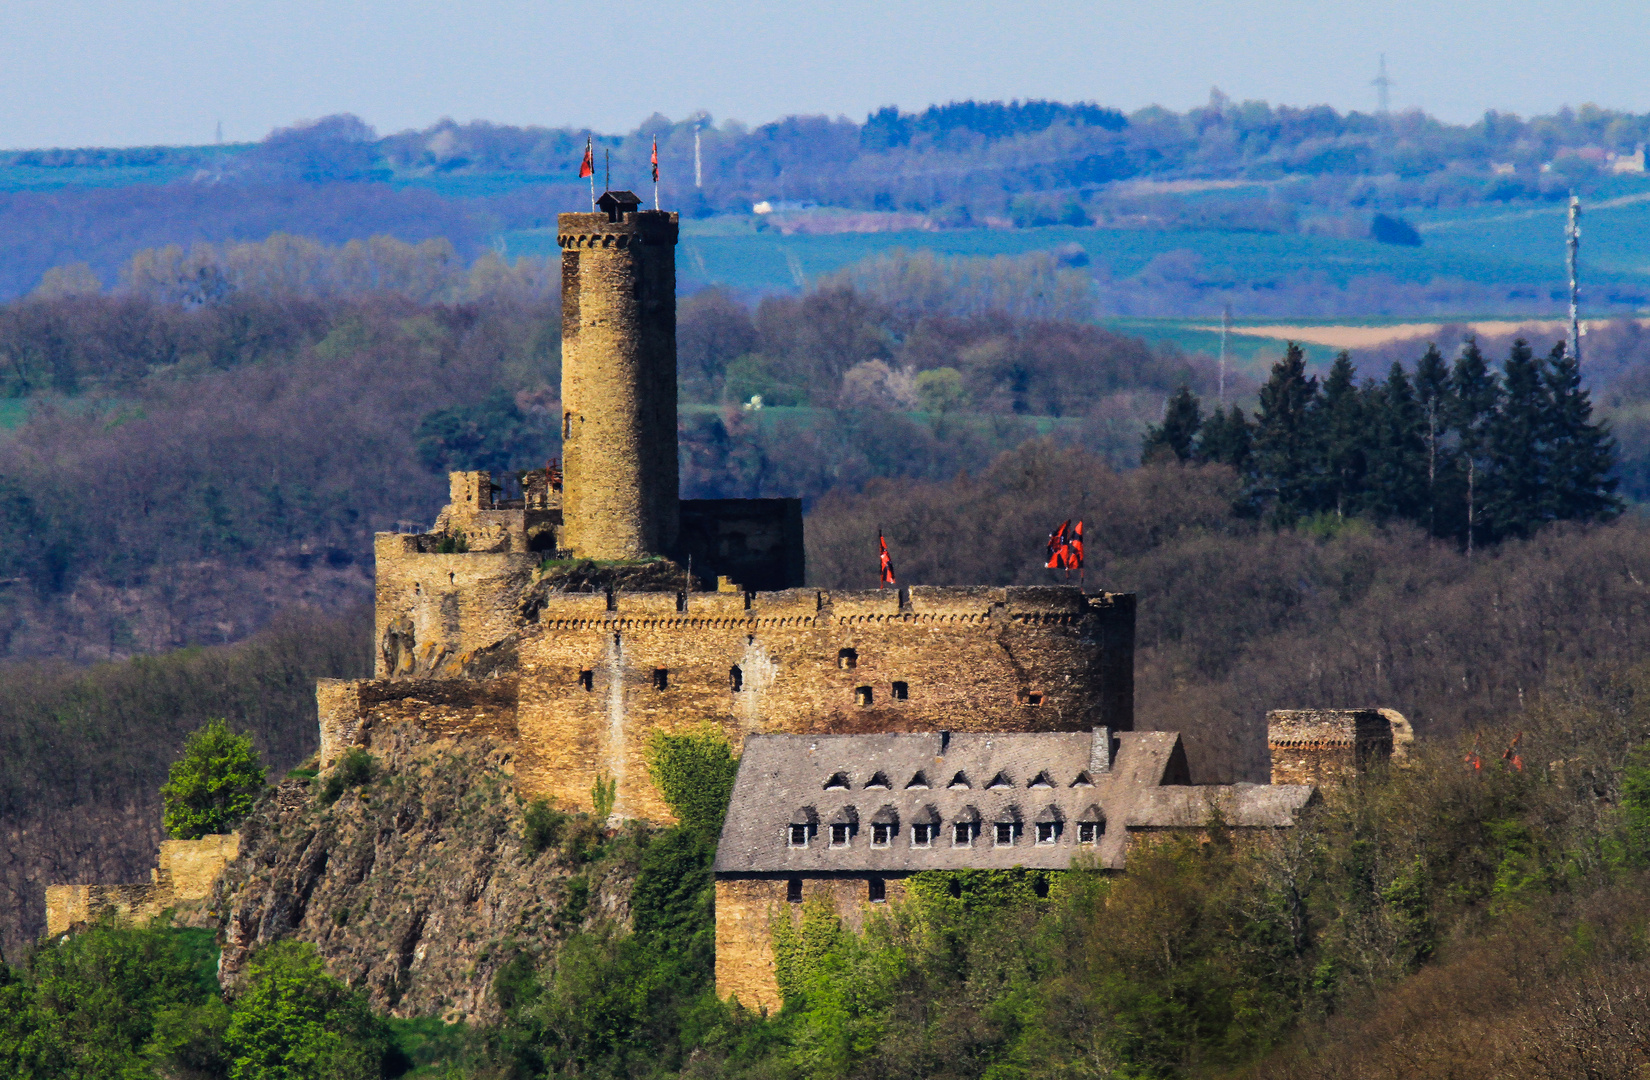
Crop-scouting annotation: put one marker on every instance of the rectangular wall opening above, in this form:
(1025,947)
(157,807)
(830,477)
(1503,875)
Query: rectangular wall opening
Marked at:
(587,679)
(876,889)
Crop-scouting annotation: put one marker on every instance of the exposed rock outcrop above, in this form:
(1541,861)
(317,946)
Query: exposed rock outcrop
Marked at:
(416,886)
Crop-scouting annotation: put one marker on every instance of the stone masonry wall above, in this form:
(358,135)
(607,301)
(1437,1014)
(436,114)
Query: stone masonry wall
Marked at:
(1314,746)
(432,611)
(745,912)
(186,872)
(596,683)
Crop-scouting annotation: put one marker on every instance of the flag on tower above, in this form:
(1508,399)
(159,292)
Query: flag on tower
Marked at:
(587,167)
(1074,549)
(1059,548)
(887,567)
(655,160)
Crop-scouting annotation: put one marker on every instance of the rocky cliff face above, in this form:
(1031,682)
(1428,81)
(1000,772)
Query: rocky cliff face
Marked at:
(416,886)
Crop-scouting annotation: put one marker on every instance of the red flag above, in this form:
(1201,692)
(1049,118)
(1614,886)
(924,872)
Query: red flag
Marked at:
(655,161)
(587,167)
(1074,550)
(1059,552)
(887,563)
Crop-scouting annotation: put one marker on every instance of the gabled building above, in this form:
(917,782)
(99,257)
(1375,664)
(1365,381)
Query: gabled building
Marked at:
(850,817)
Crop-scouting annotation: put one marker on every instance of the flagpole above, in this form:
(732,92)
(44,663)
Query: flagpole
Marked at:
(587,157)
(607,165)
(880,543)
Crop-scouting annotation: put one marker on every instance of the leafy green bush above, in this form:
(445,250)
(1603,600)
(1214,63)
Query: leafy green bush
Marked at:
(296,1022)
(213,785)
(543,826)
(356,768)
(694,773)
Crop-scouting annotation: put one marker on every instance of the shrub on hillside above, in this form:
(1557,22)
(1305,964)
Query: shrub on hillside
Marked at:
(214,784)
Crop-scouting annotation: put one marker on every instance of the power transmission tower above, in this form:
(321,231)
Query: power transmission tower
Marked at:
(1572,238)
(1383,87)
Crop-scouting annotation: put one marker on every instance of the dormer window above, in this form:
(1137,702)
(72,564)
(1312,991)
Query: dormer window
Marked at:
(919,782)
(1003,834)
(1091,826)
(881,835)
(962,834)
(799,835)
(1001,780)
(879,779)
(1083,780)
(837,782)
(922,836)
(1045,832)
(959,781)
(839,835)
(1041,780)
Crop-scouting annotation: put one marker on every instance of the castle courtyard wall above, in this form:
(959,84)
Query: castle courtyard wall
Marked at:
(432,611)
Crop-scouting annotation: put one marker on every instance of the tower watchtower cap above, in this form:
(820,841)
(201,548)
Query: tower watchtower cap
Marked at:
(619,203)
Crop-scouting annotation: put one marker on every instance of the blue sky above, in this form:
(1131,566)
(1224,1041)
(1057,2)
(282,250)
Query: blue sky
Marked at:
(105,73)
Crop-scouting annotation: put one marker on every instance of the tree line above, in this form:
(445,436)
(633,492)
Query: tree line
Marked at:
(1462,450)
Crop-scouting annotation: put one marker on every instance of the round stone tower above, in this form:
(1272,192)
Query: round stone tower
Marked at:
(618,379)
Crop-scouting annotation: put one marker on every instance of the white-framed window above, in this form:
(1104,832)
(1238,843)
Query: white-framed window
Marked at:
(839,836)
(1089,832)
(962,834)
(1045,832)
(799,836)
(922,835)
(1004,833)
(881,835)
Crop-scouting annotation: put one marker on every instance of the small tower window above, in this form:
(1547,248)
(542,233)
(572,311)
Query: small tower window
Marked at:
(901,691)
(922,836)
(839,835)
(862,695)
(876,889)
(847,659)
(587,679)
(881,835)
(793,890)
(799,835)
(1004,833)
(962,834)
(661,678)
(1045,832)
(736,679)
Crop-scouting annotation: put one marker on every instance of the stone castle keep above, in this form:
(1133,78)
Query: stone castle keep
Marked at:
(884,732)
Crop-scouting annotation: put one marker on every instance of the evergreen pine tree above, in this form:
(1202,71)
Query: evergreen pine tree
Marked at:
(1343,436)
(1227,438)
(1433,398)
(1174,437)
(1286,440)
(1397,456)
(1474,395)
(1516,488)
(1583,454)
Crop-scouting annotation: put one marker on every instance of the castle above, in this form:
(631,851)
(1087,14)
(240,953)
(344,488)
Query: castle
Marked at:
(572,615)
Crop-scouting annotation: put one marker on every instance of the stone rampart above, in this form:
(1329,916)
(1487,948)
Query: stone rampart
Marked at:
(434,610)
(1316,746)
(186,872)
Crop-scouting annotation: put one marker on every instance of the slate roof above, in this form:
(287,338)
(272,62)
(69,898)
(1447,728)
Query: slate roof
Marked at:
(1129,780)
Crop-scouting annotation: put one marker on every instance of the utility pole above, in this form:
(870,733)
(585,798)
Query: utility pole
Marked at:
(1572,237)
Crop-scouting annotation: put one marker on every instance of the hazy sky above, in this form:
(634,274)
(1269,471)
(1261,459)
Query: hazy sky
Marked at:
(83,72)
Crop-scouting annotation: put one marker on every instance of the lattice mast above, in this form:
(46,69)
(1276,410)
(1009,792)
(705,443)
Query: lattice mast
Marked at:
(1572,244)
